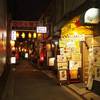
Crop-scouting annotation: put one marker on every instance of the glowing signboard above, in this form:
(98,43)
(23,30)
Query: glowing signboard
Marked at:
(41,29)
(13,60)
(13,35)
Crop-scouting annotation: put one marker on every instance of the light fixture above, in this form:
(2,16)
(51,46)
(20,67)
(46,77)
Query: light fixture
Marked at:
(92,16)
(29,35)
(23,35)
(34,35)
(17,34)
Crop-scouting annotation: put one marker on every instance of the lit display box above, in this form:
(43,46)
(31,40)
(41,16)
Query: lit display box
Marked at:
(26,55)
(13,60)
(51,61)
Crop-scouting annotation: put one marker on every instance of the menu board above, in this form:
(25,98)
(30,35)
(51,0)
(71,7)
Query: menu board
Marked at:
(97,75)
(96,56)
(96,52)
(62,62)
(62,75)
(74,65)
(76,56)
(62,65)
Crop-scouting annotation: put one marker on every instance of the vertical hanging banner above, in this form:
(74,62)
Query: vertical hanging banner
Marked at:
(13,35)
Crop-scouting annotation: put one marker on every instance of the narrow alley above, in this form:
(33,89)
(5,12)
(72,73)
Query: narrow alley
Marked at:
(25,82)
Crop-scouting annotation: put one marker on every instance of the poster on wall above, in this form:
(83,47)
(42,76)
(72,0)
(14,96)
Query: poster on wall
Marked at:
(76,56)
(62,75)
(62,65)
(65,51)
(74,65)
(96,52)
(97,75)
(61,58)
(62,62)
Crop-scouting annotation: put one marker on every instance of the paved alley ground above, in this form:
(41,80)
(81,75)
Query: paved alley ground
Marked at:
(25,82)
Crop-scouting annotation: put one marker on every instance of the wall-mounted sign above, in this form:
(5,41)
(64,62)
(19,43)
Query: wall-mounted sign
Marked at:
(26,55)
(77,36)
(92,16)
(41,29)
(13,35)
(62,75)
(61,62)
(24,24)
(13,60)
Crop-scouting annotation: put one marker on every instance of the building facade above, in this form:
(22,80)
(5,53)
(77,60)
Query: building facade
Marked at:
(3,35)
(79,39)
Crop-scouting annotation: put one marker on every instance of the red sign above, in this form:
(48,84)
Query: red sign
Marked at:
(24,24)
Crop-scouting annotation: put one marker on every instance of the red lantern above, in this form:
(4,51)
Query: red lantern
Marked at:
(42,56)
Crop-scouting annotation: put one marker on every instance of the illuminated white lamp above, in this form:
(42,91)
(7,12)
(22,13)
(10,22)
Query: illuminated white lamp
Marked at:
(13,60)
(26,55)
(92,16)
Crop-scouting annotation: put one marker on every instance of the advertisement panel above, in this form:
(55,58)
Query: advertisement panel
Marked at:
(62,75)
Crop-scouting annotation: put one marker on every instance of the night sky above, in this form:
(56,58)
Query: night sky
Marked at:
(27,9)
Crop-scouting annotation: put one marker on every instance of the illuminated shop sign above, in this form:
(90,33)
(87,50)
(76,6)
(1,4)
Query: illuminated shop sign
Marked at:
(26,55)
(13,60)
(51,61)
(92,16)
(41,29)
(80,37)
(13,35)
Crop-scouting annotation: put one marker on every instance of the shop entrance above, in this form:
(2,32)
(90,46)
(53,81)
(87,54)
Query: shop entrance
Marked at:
(79,69)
